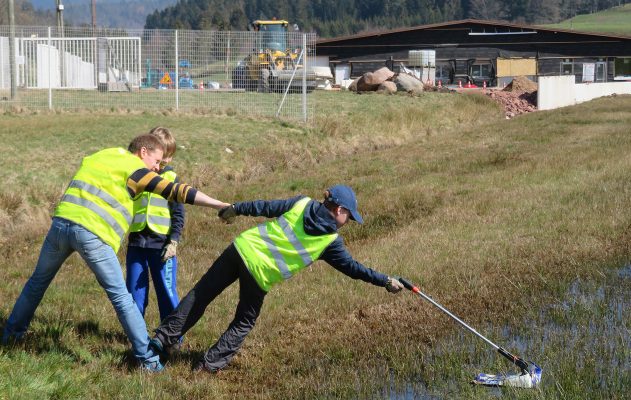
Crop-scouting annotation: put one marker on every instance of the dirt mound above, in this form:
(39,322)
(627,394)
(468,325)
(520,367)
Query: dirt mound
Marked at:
(521,84)
(515,103)
(518,97)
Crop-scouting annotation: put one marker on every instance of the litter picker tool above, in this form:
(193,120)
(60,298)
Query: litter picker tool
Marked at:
(530,375)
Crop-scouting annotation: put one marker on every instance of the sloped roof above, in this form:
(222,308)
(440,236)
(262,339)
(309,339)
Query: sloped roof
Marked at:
(486,23)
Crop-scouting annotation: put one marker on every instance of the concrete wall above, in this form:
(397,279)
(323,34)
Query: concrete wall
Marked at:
(588,91)
(561,91)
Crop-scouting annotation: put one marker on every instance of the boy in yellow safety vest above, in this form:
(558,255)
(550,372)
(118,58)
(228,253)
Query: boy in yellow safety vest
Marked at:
(92,218)
(302,231)
(152,244)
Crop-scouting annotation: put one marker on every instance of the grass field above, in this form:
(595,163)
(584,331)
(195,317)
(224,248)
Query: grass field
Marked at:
(616,20)
(518,226)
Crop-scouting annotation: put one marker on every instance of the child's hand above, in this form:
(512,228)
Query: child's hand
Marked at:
(170,250)
(227,214)
(393,285)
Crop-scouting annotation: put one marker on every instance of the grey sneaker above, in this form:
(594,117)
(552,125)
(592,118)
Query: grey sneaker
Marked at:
(152,364)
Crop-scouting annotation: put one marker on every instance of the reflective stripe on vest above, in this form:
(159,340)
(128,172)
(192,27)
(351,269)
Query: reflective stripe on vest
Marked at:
(97,197)
(295,243)
(276,250)
(153,210)
(112,202)
(293,239)
(120,231)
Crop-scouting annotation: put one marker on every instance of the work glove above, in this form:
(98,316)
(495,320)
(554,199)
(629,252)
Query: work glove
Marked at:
(393,285)
(227,214)
(170,250)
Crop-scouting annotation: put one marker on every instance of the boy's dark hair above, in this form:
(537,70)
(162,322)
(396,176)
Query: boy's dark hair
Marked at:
(150,142)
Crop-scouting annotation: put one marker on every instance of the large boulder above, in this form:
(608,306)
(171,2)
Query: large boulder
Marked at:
(362,86)
(387,87)
(378,77)
(408,83)
(353,85)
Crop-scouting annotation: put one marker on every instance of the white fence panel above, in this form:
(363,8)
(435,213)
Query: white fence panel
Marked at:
(47,70)
(79,74)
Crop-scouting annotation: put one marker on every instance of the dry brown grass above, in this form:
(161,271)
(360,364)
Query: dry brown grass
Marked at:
(485,216)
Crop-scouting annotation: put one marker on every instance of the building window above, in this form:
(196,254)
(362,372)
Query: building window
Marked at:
(601,71)
(443,71)
(567,67)
(481,70)
(622,68)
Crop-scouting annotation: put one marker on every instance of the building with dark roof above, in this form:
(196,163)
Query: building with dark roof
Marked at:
(492,51)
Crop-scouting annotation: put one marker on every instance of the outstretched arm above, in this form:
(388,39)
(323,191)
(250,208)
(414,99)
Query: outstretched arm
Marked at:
(265,208)
(204,200)
(144,180)
(339,258)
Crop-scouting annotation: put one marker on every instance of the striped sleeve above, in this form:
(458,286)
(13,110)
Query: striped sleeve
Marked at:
(144,180)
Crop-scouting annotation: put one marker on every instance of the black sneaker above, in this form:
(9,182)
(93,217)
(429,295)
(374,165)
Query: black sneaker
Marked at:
(156,346)
(200,366)
(174,350)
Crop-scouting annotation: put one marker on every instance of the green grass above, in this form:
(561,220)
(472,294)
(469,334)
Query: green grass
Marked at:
(493,218)
(214,102)
(616,20)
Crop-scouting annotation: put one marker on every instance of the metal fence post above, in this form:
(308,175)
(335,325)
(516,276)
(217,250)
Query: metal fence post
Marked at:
(304,78)
(177,75)
(228,58)
(12,67)
(50,77)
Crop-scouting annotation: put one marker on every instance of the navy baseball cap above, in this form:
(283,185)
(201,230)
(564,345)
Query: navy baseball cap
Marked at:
(344,196)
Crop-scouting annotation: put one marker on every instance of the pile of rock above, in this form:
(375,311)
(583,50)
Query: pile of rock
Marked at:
(385,81)
(519,97)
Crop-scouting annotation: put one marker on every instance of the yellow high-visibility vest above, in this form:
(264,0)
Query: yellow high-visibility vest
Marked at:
(152,210)
(97,197)
(277,249)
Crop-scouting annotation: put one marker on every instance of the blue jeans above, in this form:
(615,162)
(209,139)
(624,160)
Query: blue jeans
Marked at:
(63,238)
(141,262)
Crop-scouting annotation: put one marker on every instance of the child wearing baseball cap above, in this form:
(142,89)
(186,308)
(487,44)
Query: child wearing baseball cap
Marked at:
(300,231)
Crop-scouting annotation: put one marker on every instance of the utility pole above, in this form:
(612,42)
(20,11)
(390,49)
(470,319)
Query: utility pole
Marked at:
(12,67)
(93,17)
(62,47)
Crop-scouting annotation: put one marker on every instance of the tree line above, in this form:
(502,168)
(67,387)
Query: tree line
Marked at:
(331,18)
(25,14)
(328,18)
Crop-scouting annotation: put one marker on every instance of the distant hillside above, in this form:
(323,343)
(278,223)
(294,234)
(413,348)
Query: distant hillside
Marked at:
(25,14)
(331,18)
(109,13)
(615,20)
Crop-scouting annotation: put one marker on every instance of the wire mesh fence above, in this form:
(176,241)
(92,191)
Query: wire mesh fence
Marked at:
(254,73)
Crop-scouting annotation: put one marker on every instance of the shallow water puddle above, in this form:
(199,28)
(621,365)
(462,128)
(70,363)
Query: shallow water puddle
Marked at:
(584,339)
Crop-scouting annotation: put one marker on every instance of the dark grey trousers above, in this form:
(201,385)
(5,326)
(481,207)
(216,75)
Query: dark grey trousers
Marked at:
(225,270)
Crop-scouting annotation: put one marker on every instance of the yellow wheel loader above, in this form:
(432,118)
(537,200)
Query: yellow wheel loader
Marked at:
(271,66)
